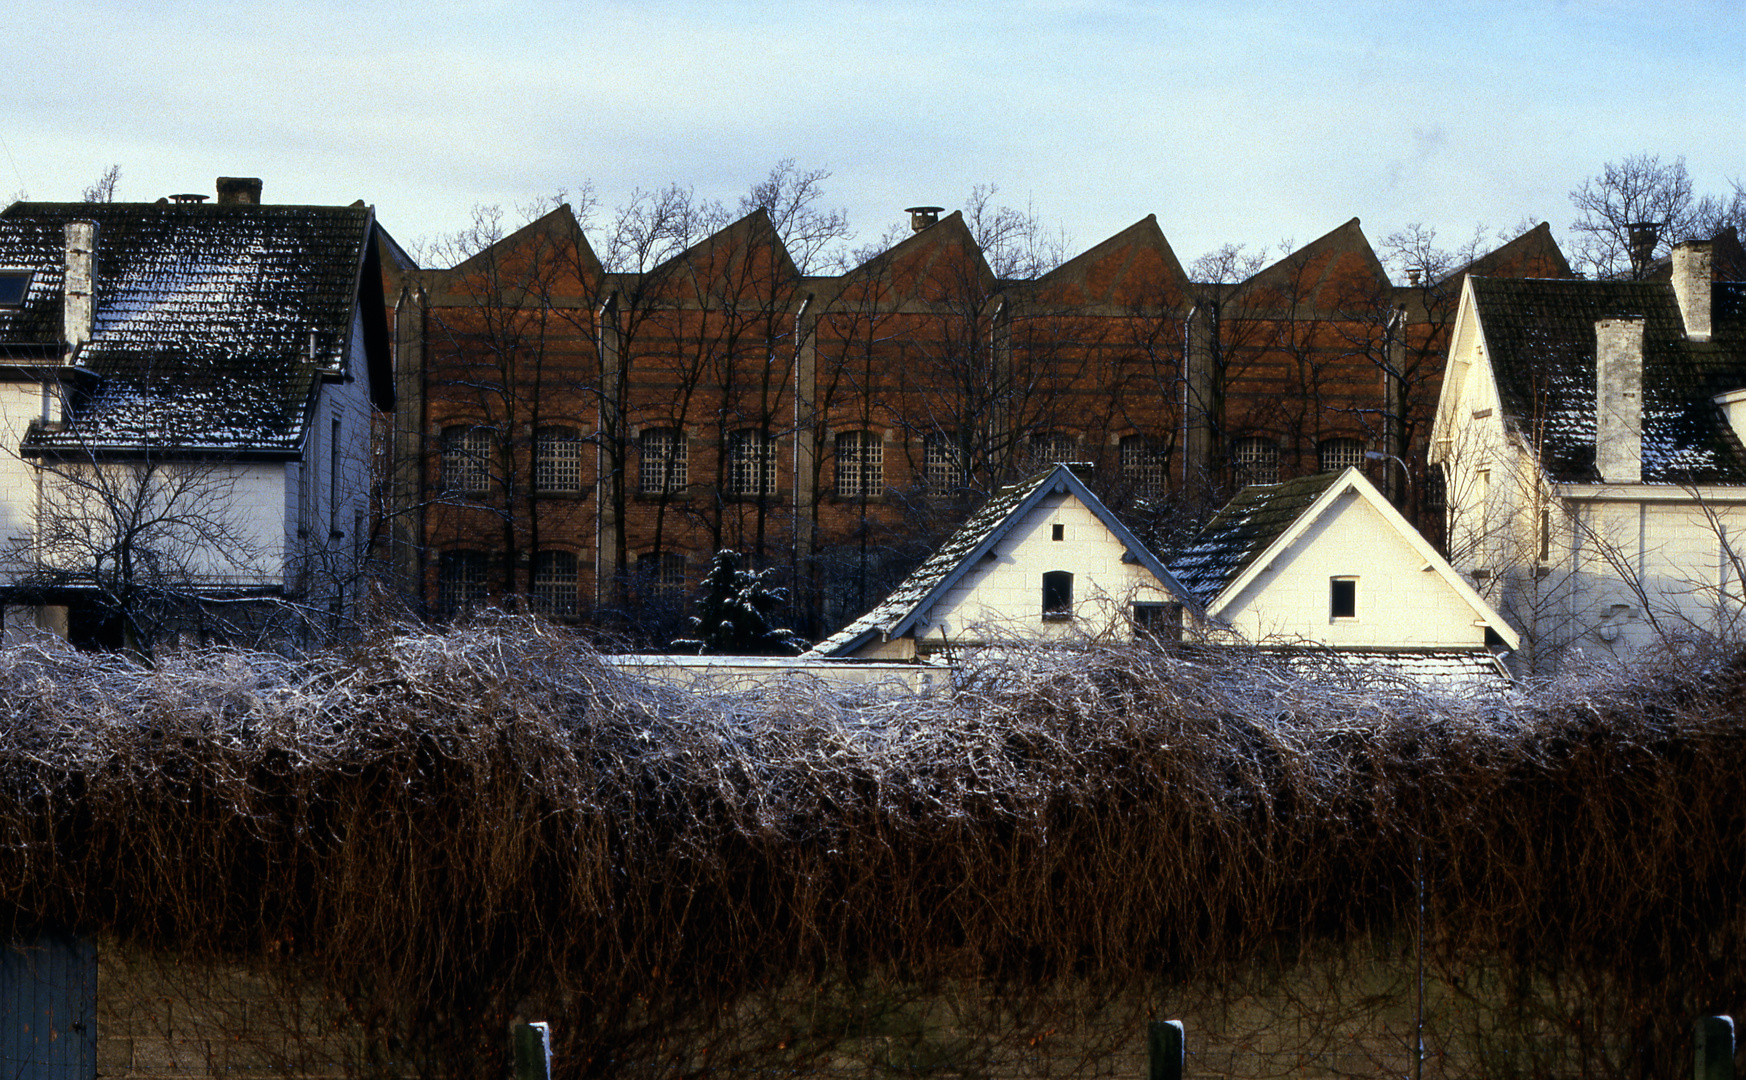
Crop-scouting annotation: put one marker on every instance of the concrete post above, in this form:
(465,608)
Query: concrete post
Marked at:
(1713,1048)
(1166,1051)
(533,1051)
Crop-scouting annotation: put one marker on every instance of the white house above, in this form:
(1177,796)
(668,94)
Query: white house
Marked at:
(1043,560)
(1590,437)
(1326,561)
(186,397)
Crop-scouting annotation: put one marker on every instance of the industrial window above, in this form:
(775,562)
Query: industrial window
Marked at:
(1052,448)
(554,583)
(942,464)
(1343,598)
(751,463)
(1336,454)
(1158,622)
(14,287)
(460,581)
(1255,461)
(466,460)
(1142,465)
(860,464)
(663,573)
(557,459)
(1057,595)
(662,462)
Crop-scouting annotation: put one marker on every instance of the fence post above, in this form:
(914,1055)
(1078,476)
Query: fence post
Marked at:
(1713,1046)
(1165,1050)
(533,1051)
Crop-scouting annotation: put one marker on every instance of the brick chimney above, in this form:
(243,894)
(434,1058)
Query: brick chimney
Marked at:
(240,190)
(79,286)
(1618,399)
(1693,281)
(1644,235)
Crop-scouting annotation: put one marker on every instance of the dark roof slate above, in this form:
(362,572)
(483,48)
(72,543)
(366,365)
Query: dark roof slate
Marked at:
(1245,528)
(1540,338)
(213,322)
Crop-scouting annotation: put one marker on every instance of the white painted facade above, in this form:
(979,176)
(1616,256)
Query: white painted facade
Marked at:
(1402,594)
(1001,597)
(1593,571)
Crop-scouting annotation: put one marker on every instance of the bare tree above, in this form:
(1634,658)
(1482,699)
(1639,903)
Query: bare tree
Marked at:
(102,189)
(1637,208)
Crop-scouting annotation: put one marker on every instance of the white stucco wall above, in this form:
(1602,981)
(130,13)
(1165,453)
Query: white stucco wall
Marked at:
(1002,598)
(1400,602)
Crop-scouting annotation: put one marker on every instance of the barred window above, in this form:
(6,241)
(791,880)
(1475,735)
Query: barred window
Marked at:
(860,464)
(1142,465)
(1053,448)
(460,581)
(557,459)
(1336,454)
(751,463)
(554,583)
(1256,461)
(663,455)
(662,573)
(942,464)
(466,459)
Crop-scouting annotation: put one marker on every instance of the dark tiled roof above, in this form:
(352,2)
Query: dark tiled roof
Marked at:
(1540,338)
(920,584)
(213,323)
(1245,528)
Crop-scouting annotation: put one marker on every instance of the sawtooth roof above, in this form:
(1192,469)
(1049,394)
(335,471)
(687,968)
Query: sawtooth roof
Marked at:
(214,324)
(893,616)
(1540,338)
(1245,528)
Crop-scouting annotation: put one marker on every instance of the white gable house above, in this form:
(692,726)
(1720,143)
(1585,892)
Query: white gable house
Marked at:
(1326,561)
(1043,560)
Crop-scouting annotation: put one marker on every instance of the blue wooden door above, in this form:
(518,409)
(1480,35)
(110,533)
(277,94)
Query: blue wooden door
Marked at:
(48,1005)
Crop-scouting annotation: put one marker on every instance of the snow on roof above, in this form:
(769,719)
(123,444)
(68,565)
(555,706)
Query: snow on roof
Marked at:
(1540,338)
(213,323)
(911,599)
(1458,671)
(1245,528)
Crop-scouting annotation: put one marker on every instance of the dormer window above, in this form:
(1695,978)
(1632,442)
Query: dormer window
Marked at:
(14,287)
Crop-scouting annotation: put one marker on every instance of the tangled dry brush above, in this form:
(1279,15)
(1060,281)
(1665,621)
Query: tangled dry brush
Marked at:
(448,831)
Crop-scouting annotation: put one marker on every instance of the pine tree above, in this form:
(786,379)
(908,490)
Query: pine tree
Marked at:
(735,609)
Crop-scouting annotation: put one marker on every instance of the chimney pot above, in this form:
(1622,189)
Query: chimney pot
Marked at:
(1693,283)
(1618,399)
(239,190)
(79,286)
(923,217)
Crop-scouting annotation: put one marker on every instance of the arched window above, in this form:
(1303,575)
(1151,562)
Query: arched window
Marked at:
(942,464)
(661,461)
(460,581)
(751,463)
(558,459)
(1336,454)
(1058,595)
(1255,461)
(860,464)
(466,459)
(1142,465)
(554,583)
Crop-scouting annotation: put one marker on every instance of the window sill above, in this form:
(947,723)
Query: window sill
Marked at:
(1057,616)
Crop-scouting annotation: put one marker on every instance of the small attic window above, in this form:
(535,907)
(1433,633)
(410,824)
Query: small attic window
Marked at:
(14,287)
(1343,598)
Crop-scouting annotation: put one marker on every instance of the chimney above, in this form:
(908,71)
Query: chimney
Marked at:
(1644,236)
(923,217)
(79,286)
(240,190)
(1693,278)
(1618,399)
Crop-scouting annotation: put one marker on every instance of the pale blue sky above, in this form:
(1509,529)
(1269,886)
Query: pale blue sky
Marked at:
(1239,122)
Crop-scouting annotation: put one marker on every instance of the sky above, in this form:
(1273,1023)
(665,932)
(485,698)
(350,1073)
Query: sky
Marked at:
(1250,122)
